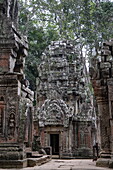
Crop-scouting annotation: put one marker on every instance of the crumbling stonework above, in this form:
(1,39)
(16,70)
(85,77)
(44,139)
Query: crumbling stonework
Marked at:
(16,109)
(102,81)
(63,107)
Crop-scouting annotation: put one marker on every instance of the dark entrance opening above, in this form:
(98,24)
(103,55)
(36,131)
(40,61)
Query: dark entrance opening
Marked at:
(54,143)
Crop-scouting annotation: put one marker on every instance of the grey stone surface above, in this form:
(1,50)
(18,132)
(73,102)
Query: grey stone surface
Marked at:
(73,164)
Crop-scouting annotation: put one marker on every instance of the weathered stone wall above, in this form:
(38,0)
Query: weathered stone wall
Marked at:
(102,81)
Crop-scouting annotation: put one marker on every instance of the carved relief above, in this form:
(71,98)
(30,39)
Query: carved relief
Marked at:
(84,136)
(53,112)
(2,115)
(11,121)
(112,109)
(11,124)
(1,120)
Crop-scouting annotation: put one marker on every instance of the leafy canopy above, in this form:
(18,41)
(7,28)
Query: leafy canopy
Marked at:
(87,22)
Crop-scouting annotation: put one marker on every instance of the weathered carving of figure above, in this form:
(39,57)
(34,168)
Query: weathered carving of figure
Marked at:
(36,146)
(11,124)
(1,120)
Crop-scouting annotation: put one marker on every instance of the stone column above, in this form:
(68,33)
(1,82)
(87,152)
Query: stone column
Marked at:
(103,108)
(101,77)
(110,92)
(70,139)
(101,93)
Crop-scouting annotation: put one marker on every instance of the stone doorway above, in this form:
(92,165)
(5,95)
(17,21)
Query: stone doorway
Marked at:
(54,143)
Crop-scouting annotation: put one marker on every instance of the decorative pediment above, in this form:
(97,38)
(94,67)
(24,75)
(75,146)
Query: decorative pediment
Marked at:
(54,112)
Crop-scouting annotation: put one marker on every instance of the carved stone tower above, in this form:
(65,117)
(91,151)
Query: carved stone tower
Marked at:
(64,109)
(15,96)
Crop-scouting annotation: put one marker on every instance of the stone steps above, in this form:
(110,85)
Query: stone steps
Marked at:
(29,162)
(38,161)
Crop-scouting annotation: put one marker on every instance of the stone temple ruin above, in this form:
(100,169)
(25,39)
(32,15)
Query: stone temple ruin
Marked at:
(16,99)
(64,122)
(102,81)
(64,108)
(15,96)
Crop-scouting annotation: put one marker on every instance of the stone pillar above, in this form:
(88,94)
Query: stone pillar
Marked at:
(102,81)
(110,90)
(103,108)
(70,140)
(101,93)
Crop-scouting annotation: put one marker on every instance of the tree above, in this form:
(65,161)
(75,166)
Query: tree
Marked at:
(87,22)
(38,38)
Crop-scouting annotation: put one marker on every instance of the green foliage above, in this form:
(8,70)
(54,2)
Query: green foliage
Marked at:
(88,22)
(38,38)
